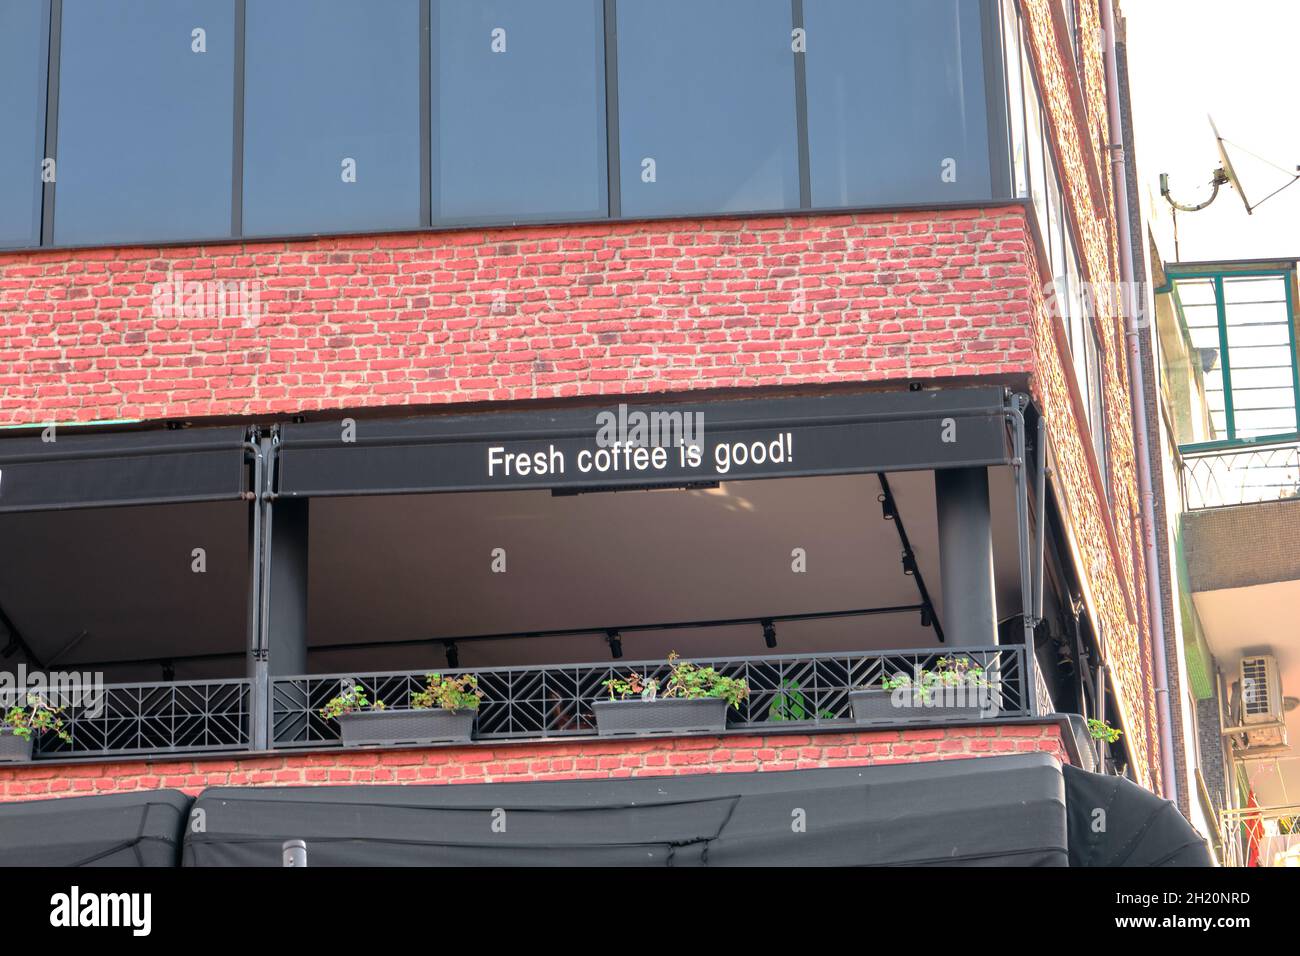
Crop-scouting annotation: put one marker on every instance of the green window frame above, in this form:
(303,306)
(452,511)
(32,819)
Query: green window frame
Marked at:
(1233,410)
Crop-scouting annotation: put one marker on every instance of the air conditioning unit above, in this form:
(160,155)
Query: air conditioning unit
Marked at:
(1261,701)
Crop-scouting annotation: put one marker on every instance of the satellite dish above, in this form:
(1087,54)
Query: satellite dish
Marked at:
(1226,175)
(1227,169)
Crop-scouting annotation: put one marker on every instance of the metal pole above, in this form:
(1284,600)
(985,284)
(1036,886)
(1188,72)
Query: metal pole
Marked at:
(295,853)
(966,557)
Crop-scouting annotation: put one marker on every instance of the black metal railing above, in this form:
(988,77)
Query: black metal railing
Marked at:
(156,718)
(555,700)
(1241,476)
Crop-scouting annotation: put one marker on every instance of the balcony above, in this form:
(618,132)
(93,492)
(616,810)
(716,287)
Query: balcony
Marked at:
(879,550)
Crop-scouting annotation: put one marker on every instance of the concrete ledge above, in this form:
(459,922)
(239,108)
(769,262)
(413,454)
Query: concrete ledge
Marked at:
(1243,545)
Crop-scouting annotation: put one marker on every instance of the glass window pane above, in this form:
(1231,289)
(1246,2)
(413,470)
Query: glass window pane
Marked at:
(519,110)
(24,41)
(146,120)
(706,107)
(1035,148)
(1015,97)
(896,108)
(331,116)
(1261,361)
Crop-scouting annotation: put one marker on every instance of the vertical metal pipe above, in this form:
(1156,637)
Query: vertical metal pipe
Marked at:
(1137,397)
(1040,492)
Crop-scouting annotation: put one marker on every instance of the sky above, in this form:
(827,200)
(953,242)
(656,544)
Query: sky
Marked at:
(1235,60)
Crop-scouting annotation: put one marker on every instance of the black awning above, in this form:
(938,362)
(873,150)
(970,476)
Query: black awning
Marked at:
(978,812)
(781,437)
(1114,822)
(127,468)
(121,829)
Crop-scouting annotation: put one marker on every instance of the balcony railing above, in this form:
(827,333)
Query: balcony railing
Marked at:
(1241,476)
(545,701)
(157,718)
(555,700)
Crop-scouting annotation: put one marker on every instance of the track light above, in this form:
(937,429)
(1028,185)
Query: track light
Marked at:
(927,619)
(168,671)
(615,644)
(909,563)
(886,507)
(453,653)
(769,633)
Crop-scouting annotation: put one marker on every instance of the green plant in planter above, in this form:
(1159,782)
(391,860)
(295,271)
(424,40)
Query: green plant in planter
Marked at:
(634,685)
(948,672)
(790,704)
(34,718)
(448,693)
(1100,730)
(353,700)
(685,681)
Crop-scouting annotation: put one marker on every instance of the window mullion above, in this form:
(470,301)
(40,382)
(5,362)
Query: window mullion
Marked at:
(1225,362)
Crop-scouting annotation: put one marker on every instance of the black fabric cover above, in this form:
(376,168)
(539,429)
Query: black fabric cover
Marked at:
(981,812)
(120,829)
(121,468)
(830,435)
(1140,828)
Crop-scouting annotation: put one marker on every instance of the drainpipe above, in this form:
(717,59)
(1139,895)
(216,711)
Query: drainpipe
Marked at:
(1169,788)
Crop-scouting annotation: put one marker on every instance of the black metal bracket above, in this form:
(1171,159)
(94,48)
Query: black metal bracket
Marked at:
(889,509)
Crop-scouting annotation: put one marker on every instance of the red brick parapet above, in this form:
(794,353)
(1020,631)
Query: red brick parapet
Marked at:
(507,762)
(545,312)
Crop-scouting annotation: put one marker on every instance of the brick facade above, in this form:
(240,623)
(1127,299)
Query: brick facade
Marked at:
(514,762)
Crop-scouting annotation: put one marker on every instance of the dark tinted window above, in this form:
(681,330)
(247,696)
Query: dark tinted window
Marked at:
(24,40)
(145,120)
(518,110)
(706,94)
(332,116)
(896,101)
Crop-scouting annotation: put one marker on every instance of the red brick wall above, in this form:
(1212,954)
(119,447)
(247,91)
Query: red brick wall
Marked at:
(555,760)
(619,308)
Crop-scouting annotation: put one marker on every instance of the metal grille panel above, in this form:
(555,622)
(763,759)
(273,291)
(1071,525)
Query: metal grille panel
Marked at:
(555,700)
(181,717)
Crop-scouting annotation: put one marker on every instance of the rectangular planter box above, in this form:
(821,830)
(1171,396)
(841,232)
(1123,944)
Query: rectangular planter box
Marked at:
(615,718)
(14,749)
(392,728)
(877,707)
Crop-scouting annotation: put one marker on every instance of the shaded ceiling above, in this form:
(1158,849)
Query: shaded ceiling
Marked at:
(103,584)
(419,568)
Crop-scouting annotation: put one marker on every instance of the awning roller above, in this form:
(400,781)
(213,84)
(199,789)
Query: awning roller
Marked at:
(111,469)
(741,439)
